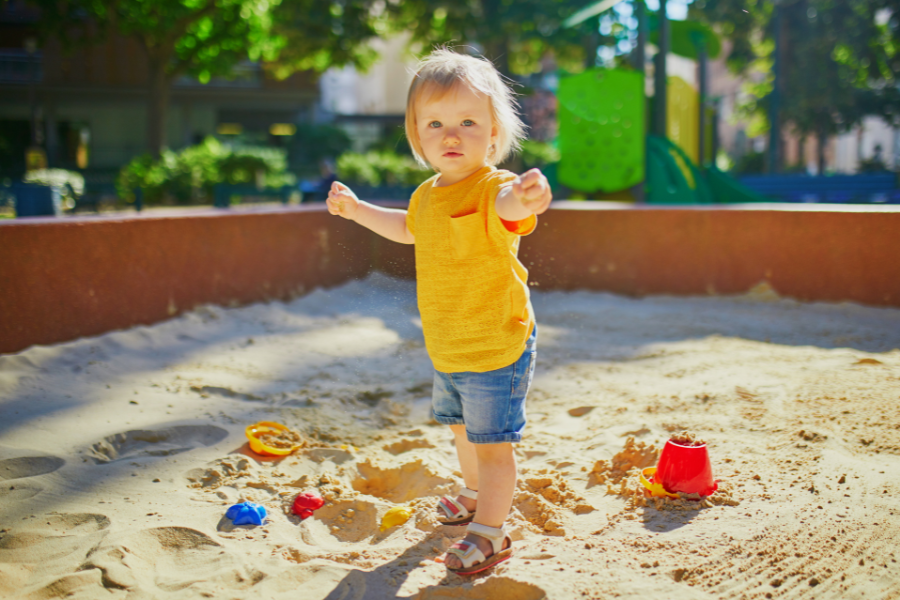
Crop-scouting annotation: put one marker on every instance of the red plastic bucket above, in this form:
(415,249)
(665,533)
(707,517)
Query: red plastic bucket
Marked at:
(685,469)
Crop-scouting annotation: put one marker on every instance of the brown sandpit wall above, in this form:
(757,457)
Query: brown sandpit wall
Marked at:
(67,278)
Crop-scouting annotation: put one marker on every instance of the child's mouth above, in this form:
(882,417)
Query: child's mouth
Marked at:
(452,154)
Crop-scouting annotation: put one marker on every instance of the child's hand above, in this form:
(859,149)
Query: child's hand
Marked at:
(533,191)
(342,201)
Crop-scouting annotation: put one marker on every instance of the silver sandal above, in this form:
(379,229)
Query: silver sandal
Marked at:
(473,559)
(457,514)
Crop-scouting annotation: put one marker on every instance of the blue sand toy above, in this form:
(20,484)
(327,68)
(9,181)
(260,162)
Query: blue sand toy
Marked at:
(247,513)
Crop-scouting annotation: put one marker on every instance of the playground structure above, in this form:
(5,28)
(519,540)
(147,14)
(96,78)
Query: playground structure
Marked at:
(614,140)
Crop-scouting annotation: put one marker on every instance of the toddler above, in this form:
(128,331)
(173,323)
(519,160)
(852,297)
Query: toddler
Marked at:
(477,319)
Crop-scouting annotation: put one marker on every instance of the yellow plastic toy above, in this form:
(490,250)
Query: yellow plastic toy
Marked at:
(655,489)
(257,429)
(396,516)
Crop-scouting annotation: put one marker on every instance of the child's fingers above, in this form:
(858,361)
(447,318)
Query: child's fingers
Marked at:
(531,177)
(536,187)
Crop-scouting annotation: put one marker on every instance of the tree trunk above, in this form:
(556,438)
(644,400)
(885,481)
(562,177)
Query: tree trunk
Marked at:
(497,51)
(801,153)
(821,141)
(158,106)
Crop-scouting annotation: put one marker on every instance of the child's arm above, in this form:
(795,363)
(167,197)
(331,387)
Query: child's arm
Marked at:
(386,222)
(528,195)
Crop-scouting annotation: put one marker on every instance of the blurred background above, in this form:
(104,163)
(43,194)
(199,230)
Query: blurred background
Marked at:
(128,105)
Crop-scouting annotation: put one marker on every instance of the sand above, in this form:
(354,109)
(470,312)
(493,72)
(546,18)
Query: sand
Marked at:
(120,454)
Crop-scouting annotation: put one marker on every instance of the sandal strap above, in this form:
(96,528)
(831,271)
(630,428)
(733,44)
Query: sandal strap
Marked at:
(461,511)
(469,493)
(496,535)
(469,556)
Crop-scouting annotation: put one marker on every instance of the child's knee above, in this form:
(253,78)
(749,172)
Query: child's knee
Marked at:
(495,452)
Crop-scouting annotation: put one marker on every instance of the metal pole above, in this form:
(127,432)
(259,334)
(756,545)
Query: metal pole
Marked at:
(30,49)
(701,59)
(640,58)
(715,130)
(640,53)
(774,104)
(659,75)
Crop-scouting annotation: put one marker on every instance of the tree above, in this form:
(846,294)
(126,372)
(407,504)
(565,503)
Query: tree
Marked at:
(839,62)
(208,38)
(514,34)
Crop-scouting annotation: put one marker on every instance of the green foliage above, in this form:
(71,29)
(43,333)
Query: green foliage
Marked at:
(839,60)
(209,38)
(514,34)
(188,177)
(380,168)
(874,164)
(314,142)
(538,154)
(394,141)
(321,34)
(202,38)
(751,163)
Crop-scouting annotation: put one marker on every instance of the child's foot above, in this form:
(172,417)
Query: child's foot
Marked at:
(482,548)
(459,511)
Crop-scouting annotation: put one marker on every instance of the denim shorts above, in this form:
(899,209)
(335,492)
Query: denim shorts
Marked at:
(492,404)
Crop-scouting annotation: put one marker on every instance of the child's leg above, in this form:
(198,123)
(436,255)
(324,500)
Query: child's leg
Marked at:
(497,474)
(468,464)
(497,478)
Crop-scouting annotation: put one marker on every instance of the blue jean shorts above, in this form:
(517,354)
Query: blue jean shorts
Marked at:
(492,404)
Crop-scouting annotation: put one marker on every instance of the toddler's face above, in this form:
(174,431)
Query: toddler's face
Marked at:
(456,131)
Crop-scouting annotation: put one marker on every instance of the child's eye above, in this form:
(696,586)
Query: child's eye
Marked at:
(468,122)
(435,124)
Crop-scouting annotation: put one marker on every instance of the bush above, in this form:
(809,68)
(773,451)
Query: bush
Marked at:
(314,142)
(872,165)
(380,168)
(188,177)
(538,154)
(751,163)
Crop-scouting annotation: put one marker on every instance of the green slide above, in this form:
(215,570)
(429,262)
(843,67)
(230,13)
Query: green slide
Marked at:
(672,178)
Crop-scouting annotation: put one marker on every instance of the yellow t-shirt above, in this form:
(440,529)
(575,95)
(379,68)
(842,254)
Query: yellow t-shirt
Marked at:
(472,289)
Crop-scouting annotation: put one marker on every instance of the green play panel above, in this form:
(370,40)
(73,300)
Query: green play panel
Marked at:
(601,130)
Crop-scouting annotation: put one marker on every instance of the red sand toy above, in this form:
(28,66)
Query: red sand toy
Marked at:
(681,468)
(306,503)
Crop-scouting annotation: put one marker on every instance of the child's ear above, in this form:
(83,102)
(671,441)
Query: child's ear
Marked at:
(495,133)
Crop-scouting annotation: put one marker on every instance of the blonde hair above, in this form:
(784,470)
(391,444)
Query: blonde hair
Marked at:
(441,71)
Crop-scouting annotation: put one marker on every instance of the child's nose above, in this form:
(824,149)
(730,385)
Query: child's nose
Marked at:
(451,137)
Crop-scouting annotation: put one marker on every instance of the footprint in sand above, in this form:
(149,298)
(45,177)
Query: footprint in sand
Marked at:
(211,390)
(39,556)
(488,589)
(28,466)
(341,523)
(317,579)
(160,561)
(334,455)
(13,469)
(159,442)
(18,491)
(399,484)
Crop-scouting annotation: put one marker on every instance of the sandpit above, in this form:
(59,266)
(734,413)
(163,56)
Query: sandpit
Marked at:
(120,454)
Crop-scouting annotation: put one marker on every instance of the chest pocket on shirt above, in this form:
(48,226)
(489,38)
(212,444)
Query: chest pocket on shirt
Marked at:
(467,235)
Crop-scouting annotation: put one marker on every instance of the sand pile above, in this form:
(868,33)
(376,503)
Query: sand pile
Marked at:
(120,454)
